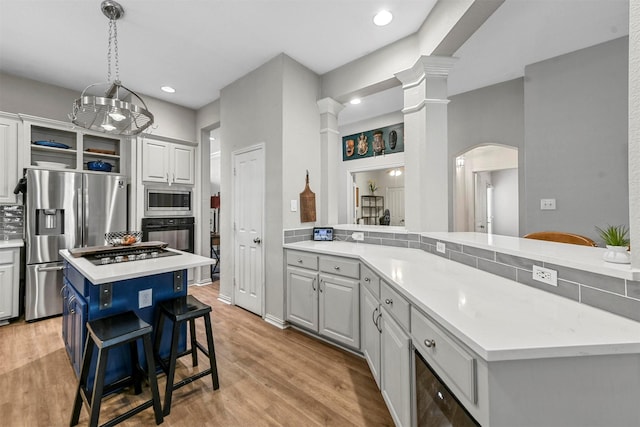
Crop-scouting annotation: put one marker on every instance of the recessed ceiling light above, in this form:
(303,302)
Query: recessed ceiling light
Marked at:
(168,89)
(382,18)
(355,101)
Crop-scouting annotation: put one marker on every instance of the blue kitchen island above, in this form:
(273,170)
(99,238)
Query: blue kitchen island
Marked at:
(91,292)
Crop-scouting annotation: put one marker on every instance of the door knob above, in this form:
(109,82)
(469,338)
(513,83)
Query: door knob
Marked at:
(257,240)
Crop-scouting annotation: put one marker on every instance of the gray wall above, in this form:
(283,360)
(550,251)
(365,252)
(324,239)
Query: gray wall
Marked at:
(576,115)
(275,105)
(493,114)
(20,95)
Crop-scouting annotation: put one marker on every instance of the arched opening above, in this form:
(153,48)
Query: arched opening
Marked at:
(486,190)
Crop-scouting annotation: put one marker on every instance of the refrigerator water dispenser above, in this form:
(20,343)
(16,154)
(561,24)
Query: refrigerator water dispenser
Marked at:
(49,222)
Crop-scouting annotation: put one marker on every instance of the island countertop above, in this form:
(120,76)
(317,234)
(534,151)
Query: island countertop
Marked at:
(98,274)
(497,318)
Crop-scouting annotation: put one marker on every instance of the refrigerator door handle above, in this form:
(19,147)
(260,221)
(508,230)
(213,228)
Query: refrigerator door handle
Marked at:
(56,268)
(79,221)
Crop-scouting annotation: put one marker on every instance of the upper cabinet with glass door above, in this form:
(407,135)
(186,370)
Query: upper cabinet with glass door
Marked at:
(51,144)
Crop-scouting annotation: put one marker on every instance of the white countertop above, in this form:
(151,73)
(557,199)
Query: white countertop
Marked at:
(98,274)
(575,256)
(11,243)
(497,318)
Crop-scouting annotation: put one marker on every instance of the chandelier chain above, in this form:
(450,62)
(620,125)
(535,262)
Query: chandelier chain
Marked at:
(113,39)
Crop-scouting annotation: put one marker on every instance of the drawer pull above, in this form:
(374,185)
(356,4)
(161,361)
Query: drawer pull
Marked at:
(366,279)
(336,267)
(430,343)
(388,301)
(299,261)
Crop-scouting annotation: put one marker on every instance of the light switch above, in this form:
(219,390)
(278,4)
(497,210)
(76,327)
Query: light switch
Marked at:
(294,206)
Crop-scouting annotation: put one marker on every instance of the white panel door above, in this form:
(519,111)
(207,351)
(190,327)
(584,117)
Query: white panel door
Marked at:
(248,194)
(395,204)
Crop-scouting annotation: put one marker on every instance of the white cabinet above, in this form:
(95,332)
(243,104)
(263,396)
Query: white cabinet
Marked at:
(339,309)
(395,370)
(327,304)
(302,297)
(167,162)
(9,162)
(9,283)
(50,144)
(370,331)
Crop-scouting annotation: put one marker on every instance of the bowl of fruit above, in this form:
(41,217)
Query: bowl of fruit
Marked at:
(123,238)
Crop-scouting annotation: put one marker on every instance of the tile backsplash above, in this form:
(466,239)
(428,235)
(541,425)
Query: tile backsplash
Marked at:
(616,295)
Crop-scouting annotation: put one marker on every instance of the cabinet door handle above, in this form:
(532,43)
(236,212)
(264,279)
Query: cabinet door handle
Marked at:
(429,343)
(374,317)
(72,310)
(320,286)
(378,322)
(313,285)
(388,301)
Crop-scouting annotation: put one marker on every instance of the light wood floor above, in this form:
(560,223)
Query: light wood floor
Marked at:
(268,377)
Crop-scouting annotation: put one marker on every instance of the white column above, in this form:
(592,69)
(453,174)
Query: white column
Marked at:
(425,143)
(634,131)
(330,146)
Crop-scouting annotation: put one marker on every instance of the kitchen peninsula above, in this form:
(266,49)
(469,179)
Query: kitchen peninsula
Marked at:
(511,354)
(94,291)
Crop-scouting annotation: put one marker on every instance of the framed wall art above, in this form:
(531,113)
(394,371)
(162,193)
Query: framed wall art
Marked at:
(375,142)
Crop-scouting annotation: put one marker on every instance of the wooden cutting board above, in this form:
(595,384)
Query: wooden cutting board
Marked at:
(92,250)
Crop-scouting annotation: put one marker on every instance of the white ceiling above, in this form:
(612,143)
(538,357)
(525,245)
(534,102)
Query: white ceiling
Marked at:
(196,46)
(202,46)
(519,33)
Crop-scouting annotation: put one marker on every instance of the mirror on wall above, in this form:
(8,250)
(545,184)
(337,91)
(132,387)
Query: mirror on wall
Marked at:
(379,196)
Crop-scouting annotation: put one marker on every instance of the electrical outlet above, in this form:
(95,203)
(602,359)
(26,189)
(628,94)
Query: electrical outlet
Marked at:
(358,236)
(145,298)
(545,275)
(441,247)
(548,204)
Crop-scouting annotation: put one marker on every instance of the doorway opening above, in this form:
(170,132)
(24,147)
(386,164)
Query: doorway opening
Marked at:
(485,190)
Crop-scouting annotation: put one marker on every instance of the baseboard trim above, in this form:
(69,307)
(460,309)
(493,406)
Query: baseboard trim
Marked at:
(276,321)
(225,299)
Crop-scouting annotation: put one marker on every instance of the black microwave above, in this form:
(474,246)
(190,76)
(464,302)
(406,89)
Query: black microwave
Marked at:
(168,201)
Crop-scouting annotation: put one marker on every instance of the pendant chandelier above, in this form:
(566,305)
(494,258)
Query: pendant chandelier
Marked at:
(109,113)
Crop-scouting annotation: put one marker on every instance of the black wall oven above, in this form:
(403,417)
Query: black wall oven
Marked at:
(177,232)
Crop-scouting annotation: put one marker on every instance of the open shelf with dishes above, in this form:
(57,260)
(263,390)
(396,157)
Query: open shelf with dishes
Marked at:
(59,145)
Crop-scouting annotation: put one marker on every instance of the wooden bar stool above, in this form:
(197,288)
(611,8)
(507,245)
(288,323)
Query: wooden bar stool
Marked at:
(180,310)
(105,334)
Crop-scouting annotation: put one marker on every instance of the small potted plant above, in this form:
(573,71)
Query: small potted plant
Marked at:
(617,241)
(372,186)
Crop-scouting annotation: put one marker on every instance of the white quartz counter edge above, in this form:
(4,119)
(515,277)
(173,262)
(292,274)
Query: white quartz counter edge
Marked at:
(12,243)
(99,274)
(497,318)
(575,256)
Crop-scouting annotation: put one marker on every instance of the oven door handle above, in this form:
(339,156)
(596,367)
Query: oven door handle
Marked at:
(155,227)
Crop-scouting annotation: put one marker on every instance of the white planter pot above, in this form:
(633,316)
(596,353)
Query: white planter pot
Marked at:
(617,254)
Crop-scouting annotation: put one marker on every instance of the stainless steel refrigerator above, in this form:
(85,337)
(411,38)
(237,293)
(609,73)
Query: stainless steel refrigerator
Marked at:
(65,210)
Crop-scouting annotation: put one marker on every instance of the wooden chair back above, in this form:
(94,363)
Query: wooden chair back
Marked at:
(556,236)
